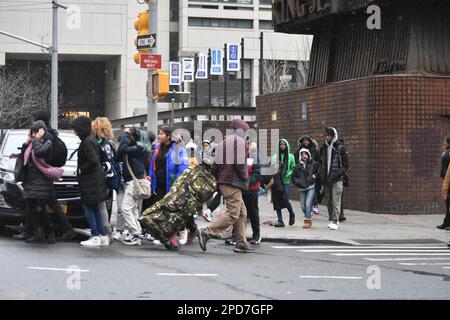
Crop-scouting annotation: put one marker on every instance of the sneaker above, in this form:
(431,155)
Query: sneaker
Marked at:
(202,238)
(279,224)
(448,244)
(157,242)
(256,239)
(333,226)
(92,242)
(291,220)
(329,225)
(341,219)
(132,240)
(316,209)
(183,236)
(104,240)
(243,248)
(118,236)
(442,226)
(149,237)
(230,242)
(207,215)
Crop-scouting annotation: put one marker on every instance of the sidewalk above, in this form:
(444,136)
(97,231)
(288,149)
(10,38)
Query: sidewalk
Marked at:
(359,228)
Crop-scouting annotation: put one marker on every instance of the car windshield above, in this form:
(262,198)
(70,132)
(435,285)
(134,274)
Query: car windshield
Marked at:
(14,141)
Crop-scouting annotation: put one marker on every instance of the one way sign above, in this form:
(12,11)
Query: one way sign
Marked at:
(147,41)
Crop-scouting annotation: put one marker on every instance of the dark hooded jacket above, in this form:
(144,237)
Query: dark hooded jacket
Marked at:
(36,185)
(445,161)
(339,161)
(312,148)
(303,175)
(90,174)
(234,173)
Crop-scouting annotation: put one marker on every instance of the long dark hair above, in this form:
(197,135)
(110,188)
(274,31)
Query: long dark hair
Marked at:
(285,159)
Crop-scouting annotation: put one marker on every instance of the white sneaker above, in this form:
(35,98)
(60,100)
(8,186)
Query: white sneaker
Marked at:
(92,242)
(316,210)
(132,240)
(329,225)
(333,226)
(117,235)
(157,242)
(104,240)
(183,237)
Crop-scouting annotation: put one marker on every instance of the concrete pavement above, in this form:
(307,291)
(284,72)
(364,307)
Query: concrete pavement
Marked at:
(359,228)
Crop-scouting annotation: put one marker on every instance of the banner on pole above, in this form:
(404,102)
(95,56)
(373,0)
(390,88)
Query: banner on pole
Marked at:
(202,69)
(233,57)
(216,62)
(188,69)
(175,73)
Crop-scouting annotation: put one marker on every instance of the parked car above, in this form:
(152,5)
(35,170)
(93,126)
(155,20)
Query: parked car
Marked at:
(12,203)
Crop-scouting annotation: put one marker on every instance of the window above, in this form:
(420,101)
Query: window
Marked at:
(174,46)
(220,23)
(174,10)
(265,24)
(265,2)
(195,22)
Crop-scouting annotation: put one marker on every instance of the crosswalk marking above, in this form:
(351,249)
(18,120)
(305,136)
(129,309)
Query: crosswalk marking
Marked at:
(378,250)
(405,259)
(360,247)
(331,277)
(389,254)
(424,263)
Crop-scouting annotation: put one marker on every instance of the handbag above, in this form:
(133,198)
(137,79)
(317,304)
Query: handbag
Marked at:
(141,187)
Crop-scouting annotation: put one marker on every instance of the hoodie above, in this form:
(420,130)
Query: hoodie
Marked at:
(305,174)
(333,160)
(313,147)
(286,165)
(233,171)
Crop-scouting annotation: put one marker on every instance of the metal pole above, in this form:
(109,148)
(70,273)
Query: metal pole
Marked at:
(54,90)
(209,78)
(261,55)
(152,107)
(242,74)
(195,81)
(26,40)
(172,109)
(225,102)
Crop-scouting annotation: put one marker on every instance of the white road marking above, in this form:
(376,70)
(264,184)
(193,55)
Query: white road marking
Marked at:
(378,250)
(424,263)
(389,254)
(446,267)
(331,277)
(58,269)
(360,247)
(405,259)
(188,274)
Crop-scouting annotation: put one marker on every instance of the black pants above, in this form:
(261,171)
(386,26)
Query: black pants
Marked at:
(38,217)
(251,203)
(447,211)
(59,216)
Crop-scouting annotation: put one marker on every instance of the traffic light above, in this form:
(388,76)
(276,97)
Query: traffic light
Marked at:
(141,26)
(160,90)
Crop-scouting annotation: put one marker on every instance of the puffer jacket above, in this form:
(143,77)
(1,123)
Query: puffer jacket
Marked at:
(90,174)
(36,185)
(339,161)
(302,177)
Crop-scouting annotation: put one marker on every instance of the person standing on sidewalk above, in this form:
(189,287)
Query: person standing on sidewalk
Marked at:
(446,189)
(92,181)
(232,178)
(445,161)
(286,164)
(304,177)
(333,166)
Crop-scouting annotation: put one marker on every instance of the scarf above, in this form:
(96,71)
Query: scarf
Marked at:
(52,173)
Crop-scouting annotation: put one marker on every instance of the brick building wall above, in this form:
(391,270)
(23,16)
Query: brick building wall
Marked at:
(393,127)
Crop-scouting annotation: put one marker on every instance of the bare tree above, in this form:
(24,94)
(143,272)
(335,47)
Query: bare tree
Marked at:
(285,75)
(23,91)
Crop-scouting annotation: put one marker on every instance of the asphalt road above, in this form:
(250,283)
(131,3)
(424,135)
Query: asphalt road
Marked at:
(275,271)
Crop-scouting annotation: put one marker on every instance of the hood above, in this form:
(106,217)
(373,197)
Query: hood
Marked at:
(287,144)
(335,138)
(237,124)
(310,138)
(82,126)
(304,150)
(38,125)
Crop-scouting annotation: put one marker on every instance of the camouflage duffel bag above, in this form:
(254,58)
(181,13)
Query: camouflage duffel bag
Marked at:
(185,198)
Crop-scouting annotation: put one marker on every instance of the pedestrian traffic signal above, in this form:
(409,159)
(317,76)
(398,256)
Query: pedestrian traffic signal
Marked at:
(141,24)
(160,90)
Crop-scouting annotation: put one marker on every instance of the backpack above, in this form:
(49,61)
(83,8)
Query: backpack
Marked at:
(59,153)
(110,167)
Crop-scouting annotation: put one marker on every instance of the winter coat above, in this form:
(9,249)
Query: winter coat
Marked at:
(288,168)
(176,162)
(445,161)
(233,174)
(312,148)
(36,185)
(339,161)
(137,157)
(446,183)
(254,171)
(302,177)
(90,174)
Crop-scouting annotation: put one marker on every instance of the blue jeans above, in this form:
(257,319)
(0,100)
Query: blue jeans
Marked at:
(94,218)
(306,200)
(287,189)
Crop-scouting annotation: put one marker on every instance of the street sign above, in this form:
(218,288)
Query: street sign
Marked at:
(188,69)
(147,41)
(233,62)
(216,62)
(202,69)
(150,61)
(175,73)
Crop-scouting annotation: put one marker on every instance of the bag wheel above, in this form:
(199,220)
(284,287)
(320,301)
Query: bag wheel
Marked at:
(173,244)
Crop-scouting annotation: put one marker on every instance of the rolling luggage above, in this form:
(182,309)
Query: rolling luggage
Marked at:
(184,199)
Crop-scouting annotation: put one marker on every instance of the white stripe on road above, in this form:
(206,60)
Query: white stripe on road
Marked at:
(424,263)
(359,247)
(378,250)
(57,269)
(446,267)
(405,259)
(189,274)
(389,254)
(331,277)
